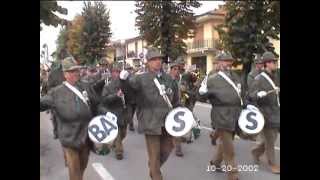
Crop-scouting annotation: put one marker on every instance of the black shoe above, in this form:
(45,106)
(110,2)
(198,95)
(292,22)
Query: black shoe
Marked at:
(131,128)
(55,135)
(179,152)
(119,156)
(213,142)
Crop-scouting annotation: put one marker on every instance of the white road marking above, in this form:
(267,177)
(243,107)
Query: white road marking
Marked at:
(206,105)
(104,174)
(206,128)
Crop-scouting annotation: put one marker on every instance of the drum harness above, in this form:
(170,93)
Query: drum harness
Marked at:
(167,100)
(275,88)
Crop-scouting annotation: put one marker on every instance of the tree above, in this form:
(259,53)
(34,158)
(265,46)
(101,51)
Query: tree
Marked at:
(96,31)
(74,38)
(47,16)
(61,43)
(164,24)
(248,28)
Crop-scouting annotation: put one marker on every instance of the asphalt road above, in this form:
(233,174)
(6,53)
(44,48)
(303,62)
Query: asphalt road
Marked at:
(194,164)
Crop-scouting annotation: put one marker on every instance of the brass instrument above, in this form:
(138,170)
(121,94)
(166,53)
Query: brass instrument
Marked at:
(184,88)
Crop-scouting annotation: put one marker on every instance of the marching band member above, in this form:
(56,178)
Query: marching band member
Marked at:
(152,107)
(113,100)
(71,101)
(130,99)
(188,92)
(175,74)
(264,92)
(224,93)
(255,71)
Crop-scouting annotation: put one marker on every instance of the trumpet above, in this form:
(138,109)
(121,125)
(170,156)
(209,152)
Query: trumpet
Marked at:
(184,97)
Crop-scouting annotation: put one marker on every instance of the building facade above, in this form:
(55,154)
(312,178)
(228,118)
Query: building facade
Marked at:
(130,51)
(201,49)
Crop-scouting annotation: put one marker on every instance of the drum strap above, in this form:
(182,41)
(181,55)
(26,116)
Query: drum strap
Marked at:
(162,93)
(272,84)
(204,81)
(76,91)
(238,90)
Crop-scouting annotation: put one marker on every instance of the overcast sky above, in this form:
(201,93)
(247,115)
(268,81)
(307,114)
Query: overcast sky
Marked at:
(122,18)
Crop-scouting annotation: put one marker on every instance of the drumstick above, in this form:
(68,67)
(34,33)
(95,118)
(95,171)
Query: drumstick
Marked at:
(271,91)
(165,97)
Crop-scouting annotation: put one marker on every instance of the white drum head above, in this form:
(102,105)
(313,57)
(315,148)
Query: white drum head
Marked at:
(103,129)
(251,120)
(179,121)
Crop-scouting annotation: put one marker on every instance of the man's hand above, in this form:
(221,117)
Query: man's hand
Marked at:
(124,75)
(203,90)
(261,94)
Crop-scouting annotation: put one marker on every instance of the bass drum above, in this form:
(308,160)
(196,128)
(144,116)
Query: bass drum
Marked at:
(103,130)
(251,122)
(179,121)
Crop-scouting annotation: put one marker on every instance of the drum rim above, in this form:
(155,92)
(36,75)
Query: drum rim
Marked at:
(175,109)
(254,110)
(96,142)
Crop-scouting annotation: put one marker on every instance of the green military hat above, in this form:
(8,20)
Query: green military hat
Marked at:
(175,63)
(224,56)
(116,66)
(179,61)
(268,56)
(153,53)
(69,64)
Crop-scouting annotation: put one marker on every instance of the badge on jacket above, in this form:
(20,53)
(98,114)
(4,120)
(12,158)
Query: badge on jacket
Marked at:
(169,91)
(85,95)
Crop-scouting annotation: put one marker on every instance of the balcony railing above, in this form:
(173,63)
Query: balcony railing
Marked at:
(200,45)
(131,54)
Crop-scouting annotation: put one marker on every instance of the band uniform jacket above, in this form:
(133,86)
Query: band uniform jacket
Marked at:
(72,114)
(113,103)
(151,107)
(226,104)
(268,105)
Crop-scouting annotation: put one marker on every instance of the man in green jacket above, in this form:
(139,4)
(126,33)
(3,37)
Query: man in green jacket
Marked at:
(71,101)
(224,93)
(130,99)
(188,90)
(256,70)
(113,100)
(175,75)
(152,109)
(265,93)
